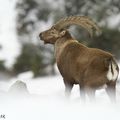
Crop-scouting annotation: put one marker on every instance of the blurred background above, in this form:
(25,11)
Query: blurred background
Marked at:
(21,21)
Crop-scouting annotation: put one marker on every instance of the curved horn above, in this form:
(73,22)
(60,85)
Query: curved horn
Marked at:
(83,21)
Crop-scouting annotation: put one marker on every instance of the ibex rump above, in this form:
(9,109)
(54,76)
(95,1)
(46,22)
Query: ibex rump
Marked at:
(91,68)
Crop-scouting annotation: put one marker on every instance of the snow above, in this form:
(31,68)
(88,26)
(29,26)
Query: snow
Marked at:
(46,101)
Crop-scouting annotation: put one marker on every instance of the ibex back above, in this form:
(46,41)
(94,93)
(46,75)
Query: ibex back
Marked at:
(91,68)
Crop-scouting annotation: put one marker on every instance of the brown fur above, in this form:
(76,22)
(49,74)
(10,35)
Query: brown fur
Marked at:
(81,65)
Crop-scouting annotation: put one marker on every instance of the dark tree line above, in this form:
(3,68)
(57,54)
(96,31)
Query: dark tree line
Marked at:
(33,14)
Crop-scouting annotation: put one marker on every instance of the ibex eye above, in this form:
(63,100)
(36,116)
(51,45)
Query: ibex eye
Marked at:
(53,27)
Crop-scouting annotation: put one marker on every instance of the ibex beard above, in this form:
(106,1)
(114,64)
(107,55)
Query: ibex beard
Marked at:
(90,68)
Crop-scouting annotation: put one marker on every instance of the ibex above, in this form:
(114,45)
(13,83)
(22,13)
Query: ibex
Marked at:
(91,68)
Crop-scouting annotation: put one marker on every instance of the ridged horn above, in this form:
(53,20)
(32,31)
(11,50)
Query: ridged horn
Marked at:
(82,21)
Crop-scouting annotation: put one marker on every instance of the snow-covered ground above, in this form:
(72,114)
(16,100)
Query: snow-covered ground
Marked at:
(46,101)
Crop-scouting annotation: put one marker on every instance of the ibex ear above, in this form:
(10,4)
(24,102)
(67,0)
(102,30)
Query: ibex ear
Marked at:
(62,33)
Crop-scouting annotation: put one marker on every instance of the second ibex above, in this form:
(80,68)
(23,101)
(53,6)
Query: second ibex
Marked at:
(91,68)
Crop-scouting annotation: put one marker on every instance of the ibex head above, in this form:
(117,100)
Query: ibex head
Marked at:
(59,29)
(51,35)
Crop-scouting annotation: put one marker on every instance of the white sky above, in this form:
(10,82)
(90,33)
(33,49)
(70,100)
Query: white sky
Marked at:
(8,39)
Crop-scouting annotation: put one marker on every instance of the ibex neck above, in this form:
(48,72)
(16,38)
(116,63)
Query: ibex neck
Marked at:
(61,44)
